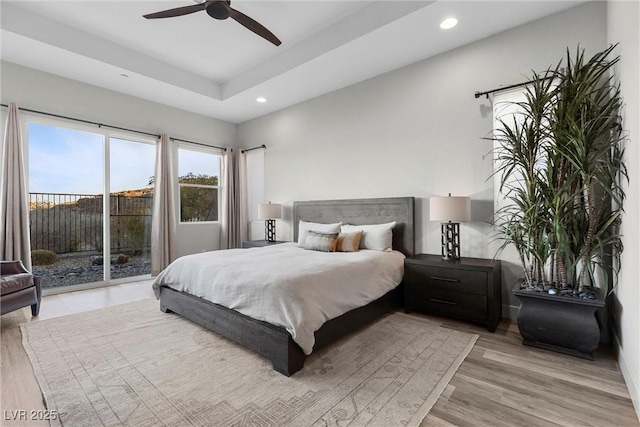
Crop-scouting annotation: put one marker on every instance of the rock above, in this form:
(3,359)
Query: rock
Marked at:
(590,291)
(119,259)
(82,269)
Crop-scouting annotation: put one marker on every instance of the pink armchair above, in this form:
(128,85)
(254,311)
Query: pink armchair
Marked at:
(20,288)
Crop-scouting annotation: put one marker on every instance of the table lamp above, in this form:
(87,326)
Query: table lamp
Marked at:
(450,210)
(269,212)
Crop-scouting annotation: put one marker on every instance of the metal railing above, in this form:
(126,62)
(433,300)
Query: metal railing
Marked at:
(68,223)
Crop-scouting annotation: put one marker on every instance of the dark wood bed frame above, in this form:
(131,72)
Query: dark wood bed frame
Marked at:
(274,342)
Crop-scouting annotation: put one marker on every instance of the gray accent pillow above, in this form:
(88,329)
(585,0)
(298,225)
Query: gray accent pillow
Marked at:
(305,226)
(324,242)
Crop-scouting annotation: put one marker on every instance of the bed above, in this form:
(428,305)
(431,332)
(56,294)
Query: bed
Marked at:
(275,342)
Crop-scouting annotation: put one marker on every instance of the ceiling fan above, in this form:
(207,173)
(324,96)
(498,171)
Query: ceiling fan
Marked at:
(219,9)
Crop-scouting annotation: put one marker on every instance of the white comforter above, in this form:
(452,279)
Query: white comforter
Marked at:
(285,285)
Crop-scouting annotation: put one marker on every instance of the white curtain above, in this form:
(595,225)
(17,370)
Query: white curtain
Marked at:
(505,108)
(243,199)
(234,221)
(14,203)
(163,224)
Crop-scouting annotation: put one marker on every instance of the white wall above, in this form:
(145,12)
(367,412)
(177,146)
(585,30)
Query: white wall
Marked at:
(416,131)
(623,19)
(41,91)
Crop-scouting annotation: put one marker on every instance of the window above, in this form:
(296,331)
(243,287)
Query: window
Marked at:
(66,187)
(198,180)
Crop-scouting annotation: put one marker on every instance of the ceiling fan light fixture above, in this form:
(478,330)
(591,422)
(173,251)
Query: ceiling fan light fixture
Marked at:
(218,10)
(448,23)
(261,99)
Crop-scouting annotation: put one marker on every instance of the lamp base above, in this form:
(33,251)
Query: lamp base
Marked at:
(450,240)
(270,230)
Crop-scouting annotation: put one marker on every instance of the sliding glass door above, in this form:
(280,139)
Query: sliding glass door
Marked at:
(78,236)
(130,207)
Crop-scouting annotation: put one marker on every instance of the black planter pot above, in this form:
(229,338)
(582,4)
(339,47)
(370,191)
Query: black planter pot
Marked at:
(563,324)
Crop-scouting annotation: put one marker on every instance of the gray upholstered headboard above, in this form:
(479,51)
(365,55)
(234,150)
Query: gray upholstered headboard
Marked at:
(363,211)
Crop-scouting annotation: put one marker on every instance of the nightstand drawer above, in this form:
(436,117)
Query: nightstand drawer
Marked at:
(449,303)
(449,279)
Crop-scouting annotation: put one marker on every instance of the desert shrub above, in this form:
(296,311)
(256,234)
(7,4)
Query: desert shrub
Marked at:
(43,257)
(131,232)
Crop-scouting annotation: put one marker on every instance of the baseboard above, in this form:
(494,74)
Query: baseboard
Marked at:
(629,380)
(510,311)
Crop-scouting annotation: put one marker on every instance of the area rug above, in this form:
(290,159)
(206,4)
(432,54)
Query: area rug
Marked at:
(132,365)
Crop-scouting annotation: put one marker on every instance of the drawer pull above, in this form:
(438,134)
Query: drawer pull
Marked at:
(445,279)
(442,301)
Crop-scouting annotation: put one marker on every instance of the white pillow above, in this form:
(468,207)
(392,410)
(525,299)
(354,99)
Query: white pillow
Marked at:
(378,237)
(305,226)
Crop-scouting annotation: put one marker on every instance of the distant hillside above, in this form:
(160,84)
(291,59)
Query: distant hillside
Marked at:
(122,202)
(143,192)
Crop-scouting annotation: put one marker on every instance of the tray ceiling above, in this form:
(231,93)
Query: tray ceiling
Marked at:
(219,68)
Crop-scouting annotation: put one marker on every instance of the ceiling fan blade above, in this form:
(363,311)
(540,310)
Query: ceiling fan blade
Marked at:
(254,26)
(178,11)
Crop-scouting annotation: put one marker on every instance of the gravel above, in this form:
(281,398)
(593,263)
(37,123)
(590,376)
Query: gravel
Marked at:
(73,270)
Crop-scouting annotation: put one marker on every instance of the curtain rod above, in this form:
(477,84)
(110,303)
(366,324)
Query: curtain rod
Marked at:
(199,143)
(487,92)
(85,121)
(254,148)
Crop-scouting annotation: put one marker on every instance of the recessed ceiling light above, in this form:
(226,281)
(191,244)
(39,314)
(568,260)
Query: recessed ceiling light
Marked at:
(448,23)
(261,99)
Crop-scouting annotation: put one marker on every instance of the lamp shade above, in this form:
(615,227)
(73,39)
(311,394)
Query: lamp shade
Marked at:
(269,211)
(450,209)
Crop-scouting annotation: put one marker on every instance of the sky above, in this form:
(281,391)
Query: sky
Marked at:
(70,161)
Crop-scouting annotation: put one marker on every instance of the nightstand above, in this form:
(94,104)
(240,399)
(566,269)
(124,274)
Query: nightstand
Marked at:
(259,243)
(467,288)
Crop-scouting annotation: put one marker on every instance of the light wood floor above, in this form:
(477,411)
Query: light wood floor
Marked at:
(500,383)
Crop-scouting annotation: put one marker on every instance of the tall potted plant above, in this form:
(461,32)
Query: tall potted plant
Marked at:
(560,164)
